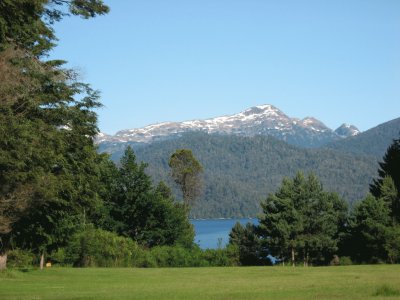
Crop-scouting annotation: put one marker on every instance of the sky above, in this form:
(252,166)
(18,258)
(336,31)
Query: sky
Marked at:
(170,60)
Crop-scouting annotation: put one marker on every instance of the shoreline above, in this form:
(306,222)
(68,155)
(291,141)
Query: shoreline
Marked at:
(221,219)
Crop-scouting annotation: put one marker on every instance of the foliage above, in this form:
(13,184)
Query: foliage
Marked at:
(301,219)
(389,170)
(19,258)
(186,172)
(345,261)
(374,234)
(148,215)
(178,256)
(54,184)
(228,256)
(98,248)
(392,244)
(242,170)
(28,22)
(47,157)
(248,244)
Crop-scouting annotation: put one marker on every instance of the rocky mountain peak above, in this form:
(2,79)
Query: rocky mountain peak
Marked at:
(346,130)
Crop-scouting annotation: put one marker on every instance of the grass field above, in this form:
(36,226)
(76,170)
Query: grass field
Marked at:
(350,282)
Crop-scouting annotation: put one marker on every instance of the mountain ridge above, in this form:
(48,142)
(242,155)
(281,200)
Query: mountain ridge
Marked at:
(240,171)
(258,120)
(373,141)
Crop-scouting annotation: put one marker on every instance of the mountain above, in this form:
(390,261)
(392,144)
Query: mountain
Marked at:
(346,130)
(259,120)
(374,141)
(246,155)
(241,171)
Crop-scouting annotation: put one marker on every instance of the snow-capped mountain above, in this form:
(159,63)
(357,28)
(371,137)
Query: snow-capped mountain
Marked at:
(258,120)
(346,130)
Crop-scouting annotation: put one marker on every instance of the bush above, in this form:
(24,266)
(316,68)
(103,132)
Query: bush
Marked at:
(98,248)
(345,261)
(21,259)
(177,256)
(228,256)
(58,256)
(171,256)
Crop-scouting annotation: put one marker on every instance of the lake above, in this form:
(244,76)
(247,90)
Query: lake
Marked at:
(210,233)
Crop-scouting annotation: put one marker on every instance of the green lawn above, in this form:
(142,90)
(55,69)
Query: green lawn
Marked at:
(352,282)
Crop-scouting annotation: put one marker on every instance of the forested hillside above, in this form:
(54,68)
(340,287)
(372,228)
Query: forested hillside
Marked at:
(241,171)
(371,142)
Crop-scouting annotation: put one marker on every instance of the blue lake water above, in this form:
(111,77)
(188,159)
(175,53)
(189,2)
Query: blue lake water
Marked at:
(209,233)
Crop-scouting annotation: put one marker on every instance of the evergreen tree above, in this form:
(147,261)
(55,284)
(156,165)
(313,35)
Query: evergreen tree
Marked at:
(248,243)
(374,227)
(369,225)
(47,125)
(281,223)
(148,215)
(301,219)
(389,194)
(389,167)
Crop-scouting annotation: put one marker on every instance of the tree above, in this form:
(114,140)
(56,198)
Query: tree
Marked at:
(47,125)
(148,215)
(186,172)
(389,194)
(369,225)
(374,227)
(392,244)
(389,167)
(246,239)
(281,223)
(302,219)
(28,22)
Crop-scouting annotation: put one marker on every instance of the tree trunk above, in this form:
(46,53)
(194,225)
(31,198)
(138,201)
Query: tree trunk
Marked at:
(3,261)
(42,261)
(293,257)
(306,258)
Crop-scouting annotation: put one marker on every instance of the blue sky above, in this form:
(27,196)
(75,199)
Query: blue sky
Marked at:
(169,60)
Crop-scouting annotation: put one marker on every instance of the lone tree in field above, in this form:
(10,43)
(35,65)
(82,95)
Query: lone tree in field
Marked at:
(187,173)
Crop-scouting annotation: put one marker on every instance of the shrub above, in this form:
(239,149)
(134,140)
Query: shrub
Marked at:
(99,248)
(173,256)
(20,259)
(58,256)
(228,256)
(345,261)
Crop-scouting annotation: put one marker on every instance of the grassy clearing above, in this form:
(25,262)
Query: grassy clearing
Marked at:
(350,282)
